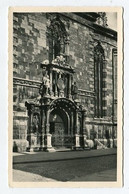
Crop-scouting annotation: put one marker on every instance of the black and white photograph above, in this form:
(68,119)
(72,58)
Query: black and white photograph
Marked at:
(65,96)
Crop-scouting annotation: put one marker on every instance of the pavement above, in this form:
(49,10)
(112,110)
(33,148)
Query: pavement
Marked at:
(21,176)
(106,175)
(33,157)
(93,165)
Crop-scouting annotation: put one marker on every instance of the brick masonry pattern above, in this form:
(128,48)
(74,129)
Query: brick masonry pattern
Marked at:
(31,48)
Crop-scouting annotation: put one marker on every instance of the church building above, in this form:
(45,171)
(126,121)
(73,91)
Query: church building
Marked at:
(64,81)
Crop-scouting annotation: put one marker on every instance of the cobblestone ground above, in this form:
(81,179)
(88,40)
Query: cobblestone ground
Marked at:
(86,169)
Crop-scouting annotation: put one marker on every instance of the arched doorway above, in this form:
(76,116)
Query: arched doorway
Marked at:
(59,127)
(63,122)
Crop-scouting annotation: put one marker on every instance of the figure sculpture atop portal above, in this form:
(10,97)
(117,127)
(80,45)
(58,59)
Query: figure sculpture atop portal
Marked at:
(46,81)
(45,86)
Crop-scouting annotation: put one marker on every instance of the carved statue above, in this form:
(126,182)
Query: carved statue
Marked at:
(45,86)
(35,124)
(46,81)
(74,91)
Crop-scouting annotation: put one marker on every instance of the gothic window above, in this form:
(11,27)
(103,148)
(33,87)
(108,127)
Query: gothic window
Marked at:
(98,66)
(57,35)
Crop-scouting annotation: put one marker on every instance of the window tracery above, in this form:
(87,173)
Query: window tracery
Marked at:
(99,58)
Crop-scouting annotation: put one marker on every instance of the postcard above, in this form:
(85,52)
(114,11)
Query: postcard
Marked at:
(65,96)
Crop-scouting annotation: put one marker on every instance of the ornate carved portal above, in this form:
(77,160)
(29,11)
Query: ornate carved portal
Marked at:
(56,118)
(58,123)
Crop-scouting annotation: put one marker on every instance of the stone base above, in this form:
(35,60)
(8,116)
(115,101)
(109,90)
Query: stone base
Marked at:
(90,143)
(111,143)
(77,141)
(105,142)
(48,140)
(49,149)
(33,149)
(77,148)
(30,150)
(85,145)
(41,149)
(115,143)
(86,148)
(20,145)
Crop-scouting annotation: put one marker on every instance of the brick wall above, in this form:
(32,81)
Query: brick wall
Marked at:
(31,48)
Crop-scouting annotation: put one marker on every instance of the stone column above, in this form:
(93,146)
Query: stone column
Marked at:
(77,130)
(83,122)
(83,129)
(104,136)
(42,129)
(51,80)
(68,125)
(77,136)
(56,93)
(111,143)
(110,138)
(71,121)
(67,49)
(48,136)
(47,122)
(30,149)
(61,46)
(70,84)
(97,133)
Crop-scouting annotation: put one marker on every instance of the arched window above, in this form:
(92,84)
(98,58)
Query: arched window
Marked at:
(98,65)
(58,37)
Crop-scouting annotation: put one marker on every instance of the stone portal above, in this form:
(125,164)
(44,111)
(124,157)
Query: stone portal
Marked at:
(61,120)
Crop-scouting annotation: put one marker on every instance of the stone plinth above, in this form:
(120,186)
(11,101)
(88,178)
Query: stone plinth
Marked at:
(111,143)
(20,145)
(77,141)
(48,145)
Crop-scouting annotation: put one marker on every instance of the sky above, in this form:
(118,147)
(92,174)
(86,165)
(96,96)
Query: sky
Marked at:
(112,20)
